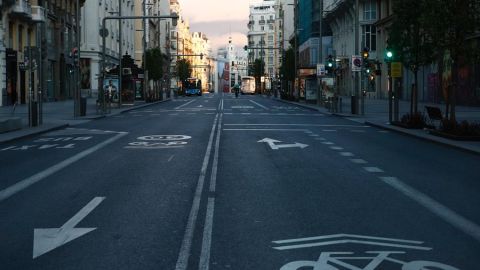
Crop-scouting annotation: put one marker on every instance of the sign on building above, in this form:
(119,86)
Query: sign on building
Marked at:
(320,70)
(356,63)
(396,70)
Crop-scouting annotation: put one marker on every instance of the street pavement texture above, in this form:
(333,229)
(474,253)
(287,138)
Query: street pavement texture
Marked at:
(218,182)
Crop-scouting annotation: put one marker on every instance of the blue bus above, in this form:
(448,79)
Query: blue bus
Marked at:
(193,86)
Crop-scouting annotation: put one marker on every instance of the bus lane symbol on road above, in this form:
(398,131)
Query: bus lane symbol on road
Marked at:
(159,142)
(369,260)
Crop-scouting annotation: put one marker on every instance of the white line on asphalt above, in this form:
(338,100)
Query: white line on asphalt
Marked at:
(313,135)
(265,129)
(301,125)
(178,107)
(358,161)
(373,169)
(435,207)
(208,227)
(184,254)
(346,154)
(328,143)
(258,104)
(204,263)
(351,236)
(25,183)
(329,130)
(336,148)
(170,158)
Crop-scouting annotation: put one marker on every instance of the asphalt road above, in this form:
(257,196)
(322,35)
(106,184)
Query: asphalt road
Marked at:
(216,182)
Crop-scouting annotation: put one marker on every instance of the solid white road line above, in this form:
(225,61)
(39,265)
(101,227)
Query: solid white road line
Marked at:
(435,207)
(184,254)
(259,105)
(25,183)
(204,263)
(178,107)
(358,161)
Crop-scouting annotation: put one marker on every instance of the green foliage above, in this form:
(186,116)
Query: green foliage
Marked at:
(183,69)
(154,63)
(464,128)
(288,66)
(258,68)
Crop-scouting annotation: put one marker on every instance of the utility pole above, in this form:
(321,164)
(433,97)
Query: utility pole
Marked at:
(145,73)
(120,68)
(320,52)
(355,98)
(77,94)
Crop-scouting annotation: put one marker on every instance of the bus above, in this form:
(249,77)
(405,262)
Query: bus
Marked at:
(248,85)
(193,86)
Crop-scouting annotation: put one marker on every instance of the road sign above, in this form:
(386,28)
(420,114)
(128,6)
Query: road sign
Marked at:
(320,69)
(103,32)
(357,63)
(396,70)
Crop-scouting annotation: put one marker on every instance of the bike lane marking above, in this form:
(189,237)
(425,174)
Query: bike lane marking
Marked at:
(259,105)
(27,182)
(446,214)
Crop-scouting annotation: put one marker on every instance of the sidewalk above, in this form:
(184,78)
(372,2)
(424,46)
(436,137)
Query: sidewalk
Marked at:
(376,114)
(56,115)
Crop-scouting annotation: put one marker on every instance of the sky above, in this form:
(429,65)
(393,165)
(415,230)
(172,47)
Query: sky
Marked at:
(218,19)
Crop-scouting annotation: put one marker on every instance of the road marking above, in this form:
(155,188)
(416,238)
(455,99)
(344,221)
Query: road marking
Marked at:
(27,182)
(373,169)
(178,107)
(242,107)
(328,143)
(358,161)
(313,135)
(184,254)
(349,238)
(435,207)
(263,129)
(329,130)
(208,226)
(259,105)
(246,113)
(271,143)
(336,148)
(346,154)
(170,158)
(45,240)
(357,131)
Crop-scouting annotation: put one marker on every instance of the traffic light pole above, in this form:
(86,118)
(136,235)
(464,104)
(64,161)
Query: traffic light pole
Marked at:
(389,92)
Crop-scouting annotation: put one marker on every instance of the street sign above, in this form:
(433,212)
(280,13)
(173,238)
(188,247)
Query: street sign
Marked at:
(320,70)
(103,32)
(356,63)
(396,70)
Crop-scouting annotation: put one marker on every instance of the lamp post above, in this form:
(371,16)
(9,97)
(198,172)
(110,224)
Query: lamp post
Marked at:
(320,52)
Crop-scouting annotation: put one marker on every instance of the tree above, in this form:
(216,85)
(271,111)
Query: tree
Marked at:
(452,23)
(183,70)
(154,64)
(410,40)
(258,71)
(288,66)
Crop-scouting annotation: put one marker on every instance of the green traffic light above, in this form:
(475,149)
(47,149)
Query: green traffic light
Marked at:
(330,64)
(389,54)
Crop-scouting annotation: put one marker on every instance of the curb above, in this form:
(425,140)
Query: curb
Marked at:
(439,141)
(141,106)
(33,133)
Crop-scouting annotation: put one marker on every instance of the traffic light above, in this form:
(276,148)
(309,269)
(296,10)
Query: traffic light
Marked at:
(74,56)
(365,53)
(388,55)
(245,48)
(330,65)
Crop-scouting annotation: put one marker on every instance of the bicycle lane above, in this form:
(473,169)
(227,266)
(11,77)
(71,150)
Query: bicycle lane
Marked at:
(287,208)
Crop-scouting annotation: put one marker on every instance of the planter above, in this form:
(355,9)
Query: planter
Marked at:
(404,125)
(453,136)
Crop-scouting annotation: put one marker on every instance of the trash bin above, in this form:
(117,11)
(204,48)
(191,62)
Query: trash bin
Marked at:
(83,106)
(353,103)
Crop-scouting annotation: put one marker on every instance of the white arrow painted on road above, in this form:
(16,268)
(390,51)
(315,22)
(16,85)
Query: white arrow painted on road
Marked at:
(45,240)
(271,143)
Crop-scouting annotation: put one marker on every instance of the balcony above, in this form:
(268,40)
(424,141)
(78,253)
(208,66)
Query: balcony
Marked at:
(270,21)
(261,22)
(22,9)
(38,14)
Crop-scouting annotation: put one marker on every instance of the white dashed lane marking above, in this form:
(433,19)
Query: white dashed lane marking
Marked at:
(346,154)
(358,161)
(336,148)
(373,169)
(328,143)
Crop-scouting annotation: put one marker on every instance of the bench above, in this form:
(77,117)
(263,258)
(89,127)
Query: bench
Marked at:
(434,114)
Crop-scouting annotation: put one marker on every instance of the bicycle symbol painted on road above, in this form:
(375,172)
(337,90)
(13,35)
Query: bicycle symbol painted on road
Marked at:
(329,261)
(159,142)
(369,260)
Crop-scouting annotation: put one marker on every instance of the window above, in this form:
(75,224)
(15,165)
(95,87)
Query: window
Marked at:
(20,38)
(270,27)
(369,37)
(370,10)
(262,28)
